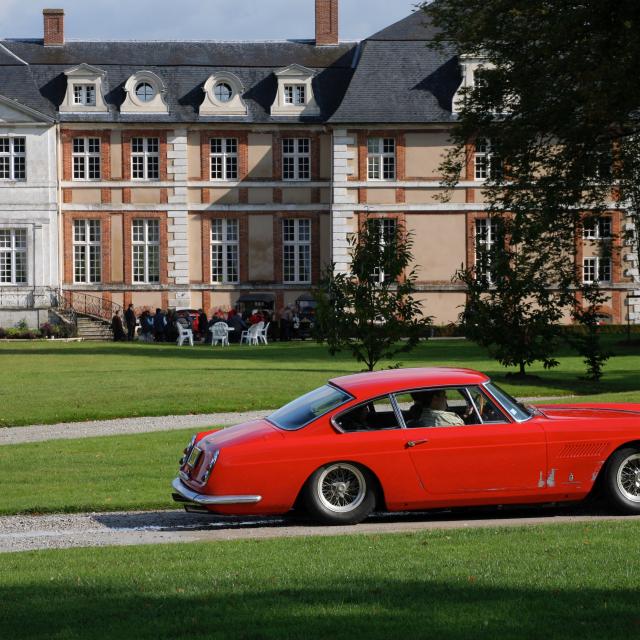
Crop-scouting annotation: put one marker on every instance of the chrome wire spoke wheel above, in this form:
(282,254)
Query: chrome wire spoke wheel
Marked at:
(341,488)
(628,478)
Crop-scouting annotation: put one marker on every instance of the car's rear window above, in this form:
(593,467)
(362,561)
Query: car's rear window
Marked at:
(308,407)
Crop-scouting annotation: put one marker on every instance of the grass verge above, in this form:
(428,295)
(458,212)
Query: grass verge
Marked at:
(65,382)
(91,474)
(557,581)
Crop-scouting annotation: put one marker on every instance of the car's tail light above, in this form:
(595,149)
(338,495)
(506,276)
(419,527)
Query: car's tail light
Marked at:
(187,450)
(210,466)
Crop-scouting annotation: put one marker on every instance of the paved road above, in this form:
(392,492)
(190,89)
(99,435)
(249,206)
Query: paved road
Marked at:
(28,533)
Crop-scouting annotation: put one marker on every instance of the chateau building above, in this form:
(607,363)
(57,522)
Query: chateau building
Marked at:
(203,174)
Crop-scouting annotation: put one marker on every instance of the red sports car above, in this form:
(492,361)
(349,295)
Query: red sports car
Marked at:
(412,439)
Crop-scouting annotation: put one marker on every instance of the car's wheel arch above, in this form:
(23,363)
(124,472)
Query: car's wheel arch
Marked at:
(376,485)
(603,469)
(598,490)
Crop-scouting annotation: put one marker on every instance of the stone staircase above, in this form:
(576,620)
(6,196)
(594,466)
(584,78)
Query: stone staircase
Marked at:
(93,329)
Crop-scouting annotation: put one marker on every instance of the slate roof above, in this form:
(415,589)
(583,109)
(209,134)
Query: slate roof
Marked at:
(396,79)
(183,67)
(399,79)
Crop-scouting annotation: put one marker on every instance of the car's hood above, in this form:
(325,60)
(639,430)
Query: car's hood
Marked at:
(590,411)
(241,433)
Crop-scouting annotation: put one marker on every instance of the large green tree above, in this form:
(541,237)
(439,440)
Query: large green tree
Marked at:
(370,311)
(554,99)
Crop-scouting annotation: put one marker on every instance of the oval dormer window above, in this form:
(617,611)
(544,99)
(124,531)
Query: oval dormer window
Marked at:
(145,92)
(223,92)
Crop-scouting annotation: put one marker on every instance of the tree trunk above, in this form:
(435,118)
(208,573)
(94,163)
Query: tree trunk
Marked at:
(522,372)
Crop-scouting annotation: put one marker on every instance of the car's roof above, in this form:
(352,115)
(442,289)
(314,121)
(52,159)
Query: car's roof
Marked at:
(373,383)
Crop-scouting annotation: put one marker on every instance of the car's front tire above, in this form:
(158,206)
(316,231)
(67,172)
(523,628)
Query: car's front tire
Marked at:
(622,480)
(340,493)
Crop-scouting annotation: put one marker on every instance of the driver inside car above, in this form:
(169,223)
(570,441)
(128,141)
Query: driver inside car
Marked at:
(433,410)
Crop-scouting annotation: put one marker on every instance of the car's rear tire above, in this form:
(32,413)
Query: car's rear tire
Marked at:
(340,493)
(622,480)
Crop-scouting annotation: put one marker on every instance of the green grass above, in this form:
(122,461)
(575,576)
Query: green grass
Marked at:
(91,474)
(557,581)
(51,382)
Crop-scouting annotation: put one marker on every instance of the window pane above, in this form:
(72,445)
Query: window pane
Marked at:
(154,263)
(153,231)
(153,168)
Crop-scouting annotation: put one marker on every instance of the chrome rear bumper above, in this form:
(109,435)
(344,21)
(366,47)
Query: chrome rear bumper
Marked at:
(186,495)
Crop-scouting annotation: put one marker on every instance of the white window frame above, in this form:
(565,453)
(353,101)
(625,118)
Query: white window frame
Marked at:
(387,226)
(381,159)
(144,246)
(14,269)
(14,158)
(86,162)
(295,94)
(87,251)
(485,235)
(596,269)
(225,250)
(224,160)
(145,160)
(296,159)
(84,95)
(598,228)
(486,164)
(296,250)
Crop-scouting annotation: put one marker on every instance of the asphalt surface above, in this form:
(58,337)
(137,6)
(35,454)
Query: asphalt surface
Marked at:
(62,531)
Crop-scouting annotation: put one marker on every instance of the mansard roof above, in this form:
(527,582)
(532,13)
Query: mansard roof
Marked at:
(18,85)
(399,79)
(184,68)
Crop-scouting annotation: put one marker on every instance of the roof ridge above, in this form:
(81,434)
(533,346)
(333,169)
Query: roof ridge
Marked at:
(182,41)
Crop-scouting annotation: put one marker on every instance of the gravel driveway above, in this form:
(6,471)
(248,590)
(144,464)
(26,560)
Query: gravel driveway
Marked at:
(28,533)
(92,428)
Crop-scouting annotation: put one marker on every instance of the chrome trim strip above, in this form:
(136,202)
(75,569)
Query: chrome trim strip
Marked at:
(201,498)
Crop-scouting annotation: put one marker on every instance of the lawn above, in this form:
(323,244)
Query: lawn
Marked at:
(557,581)
(91,474)
(46,382)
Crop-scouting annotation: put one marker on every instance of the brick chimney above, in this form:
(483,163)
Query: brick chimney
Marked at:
(53,27)
(326,22)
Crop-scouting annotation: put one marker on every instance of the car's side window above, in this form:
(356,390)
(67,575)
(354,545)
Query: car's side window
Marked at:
(433,407)
(370,416)
(488,410)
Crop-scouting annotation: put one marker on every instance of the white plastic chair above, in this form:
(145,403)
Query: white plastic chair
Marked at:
(250,336)
(184,334)
(262,334)
(220,333)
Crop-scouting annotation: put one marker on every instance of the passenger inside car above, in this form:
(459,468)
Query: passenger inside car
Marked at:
(433,410)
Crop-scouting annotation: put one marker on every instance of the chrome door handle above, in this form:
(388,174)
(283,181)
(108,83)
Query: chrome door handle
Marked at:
(415,443)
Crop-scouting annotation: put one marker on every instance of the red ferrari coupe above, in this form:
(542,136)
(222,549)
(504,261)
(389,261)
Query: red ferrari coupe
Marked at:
(412,439)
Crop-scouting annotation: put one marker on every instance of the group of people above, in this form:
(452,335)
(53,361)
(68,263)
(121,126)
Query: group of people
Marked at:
(162,326)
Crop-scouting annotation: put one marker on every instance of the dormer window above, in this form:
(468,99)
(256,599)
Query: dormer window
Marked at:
(84,90)
(84,94)
(295,92)
(223,96)
(145,94)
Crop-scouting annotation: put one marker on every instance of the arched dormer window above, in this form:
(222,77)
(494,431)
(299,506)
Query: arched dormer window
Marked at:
(223,96)
(144,94)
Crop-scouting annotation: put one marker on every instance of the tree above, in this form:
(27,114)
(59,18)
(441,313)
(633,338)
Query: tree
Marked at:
(370,311)
(553,98)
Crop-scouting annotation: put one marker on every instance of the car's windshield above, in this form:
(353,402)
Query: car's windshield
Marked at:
(308,407)
(516,409)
